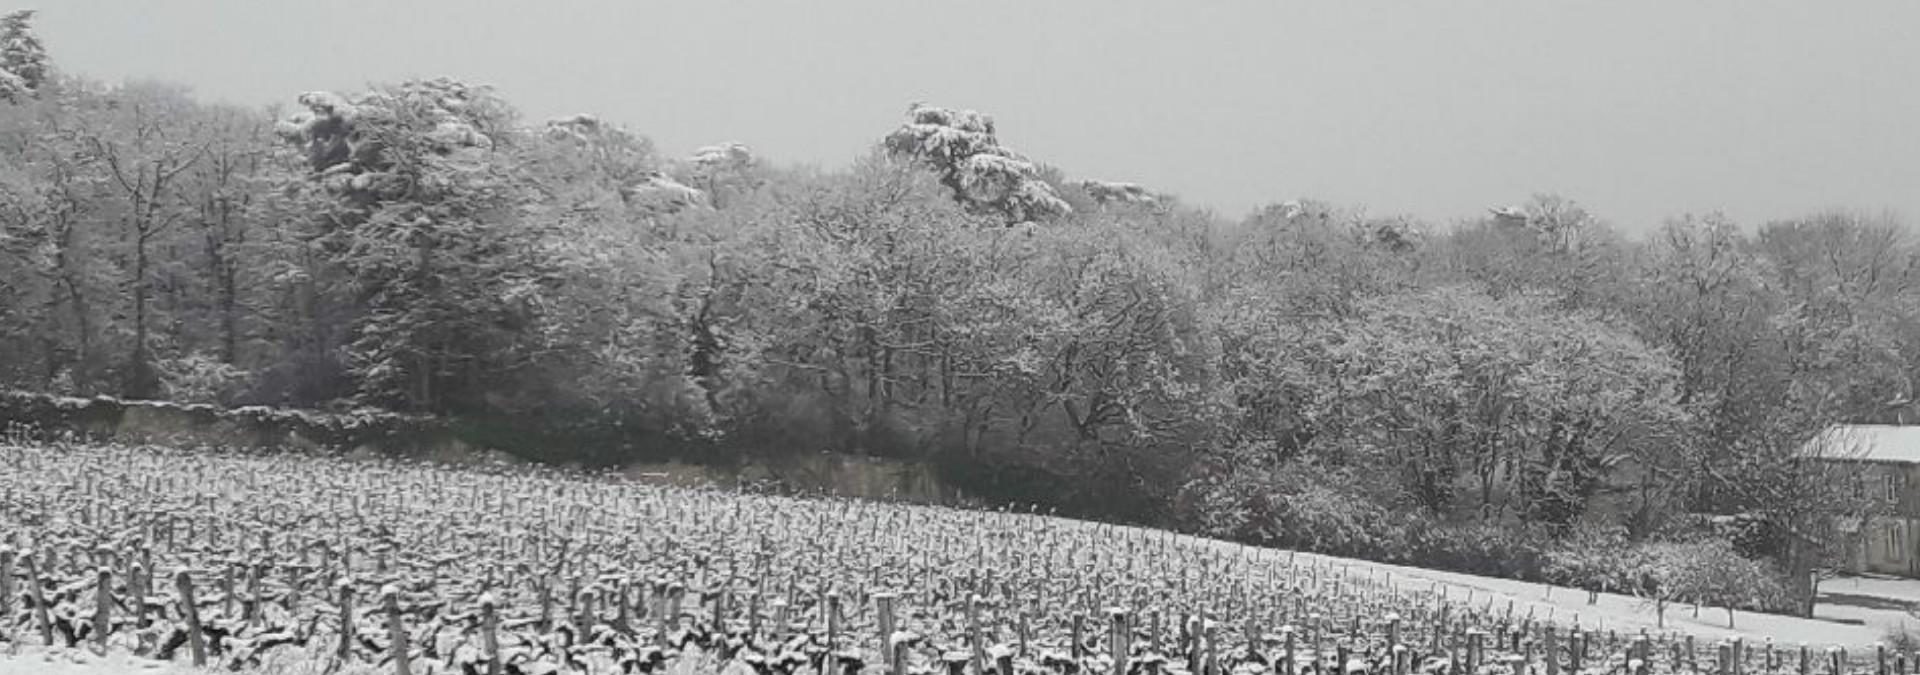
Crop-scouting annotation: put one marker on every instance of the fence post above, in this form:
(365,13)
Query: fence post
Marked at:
(1122,643)
(190,610)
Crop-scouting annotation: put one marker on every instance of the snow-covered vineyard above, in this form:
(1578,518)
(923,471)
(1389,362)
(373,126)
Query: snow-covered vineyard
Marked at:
(236,560)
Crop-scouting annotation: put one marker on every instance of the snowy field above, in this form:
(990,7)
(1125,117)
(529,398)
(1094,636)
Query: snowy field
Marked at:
(1851,623)
(1628,614)
(649,531)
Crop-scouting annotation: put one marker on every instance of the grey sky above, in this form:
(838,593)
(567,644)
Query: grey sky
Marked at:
(1639,109)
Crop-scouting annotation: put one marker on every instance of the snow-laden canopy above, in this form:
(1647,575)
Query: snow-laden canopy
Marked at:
(724,155)
(1106,192)
(660,194)
(387,138)
(13,87)
(584,129)
(984,175)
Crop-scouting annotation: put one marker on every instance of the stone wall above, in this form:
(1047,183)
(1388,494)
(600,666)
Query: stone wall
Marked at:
(375,434)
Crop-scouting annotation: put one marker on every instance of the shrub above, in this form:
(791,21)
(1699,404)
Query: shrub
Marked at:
(1710,572)
(1296,504)
(198,378)
(1597,560)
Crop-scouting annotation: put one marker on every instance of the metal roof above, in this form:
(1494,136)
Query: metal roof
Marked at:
(1867,442)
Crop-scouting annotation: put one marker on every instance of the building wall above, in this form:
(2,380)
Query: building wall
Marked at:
(1888,548)
(1889,545)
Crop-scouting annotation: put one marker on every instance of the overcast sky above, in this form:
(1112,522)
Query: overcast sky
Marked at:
(1639,109)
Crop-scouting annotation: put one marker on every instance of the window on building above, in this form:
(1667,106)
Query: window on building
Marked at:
(1896,541)
(1894,483)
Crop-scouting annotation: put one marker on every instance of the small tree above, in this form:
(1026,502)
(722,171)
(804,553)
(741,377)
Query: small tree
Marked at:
(1597,560)
(1708,571)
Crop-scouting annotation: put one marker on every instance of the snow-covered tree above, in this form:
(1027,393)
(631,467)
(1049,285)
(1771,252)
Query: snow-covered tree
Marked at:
(426,224)
(586,155)
(961,147)
(659,194)
(1108,192)
(725,171)
(23,60)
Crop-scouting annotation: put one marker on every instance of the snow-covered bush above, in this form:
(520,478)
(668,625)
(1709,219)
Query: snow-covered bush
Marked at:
(1709,572)
(1296,505)
(199,378)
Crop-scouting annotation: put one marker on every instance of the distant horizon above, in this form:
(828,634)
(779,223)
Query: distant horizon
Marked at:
(1436,113)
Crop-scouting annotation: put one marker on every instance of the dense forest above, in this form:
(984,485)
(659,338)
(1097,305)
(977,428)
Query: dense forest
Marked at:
(1512,394)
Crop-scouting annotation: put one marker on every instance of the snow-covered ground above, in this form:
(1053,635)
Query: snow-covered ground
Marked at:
(70,662)
(1879,601)
(34,661)
(1855,612)
(1845,625)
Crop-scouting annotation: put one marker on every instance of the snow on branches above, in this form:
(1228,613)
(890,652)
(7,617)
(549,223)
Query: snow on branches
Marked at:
(1106,192)
(390,140)
(23,60)
(985,176)
(661,194)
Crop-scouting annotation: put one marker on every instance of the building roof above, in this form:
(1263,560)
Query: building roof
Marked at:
(1867,442)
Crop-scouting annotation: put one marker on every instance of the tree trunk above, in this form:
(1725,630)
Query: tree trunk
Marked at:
(141,382)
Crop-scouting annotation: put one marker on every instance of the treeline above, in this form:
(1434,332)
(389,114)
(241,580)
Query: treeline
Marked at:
(1307,375)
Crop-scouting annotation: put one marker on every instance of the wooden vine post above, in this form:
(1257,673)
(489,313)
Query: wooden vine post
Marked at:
(345,591)
(976,643)
(1078,639)
(396,629)
(190,611)
(41,620)
(883,608)
(6,591)
(1552,651)
(102,607)
(1191,633)
(490,631)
